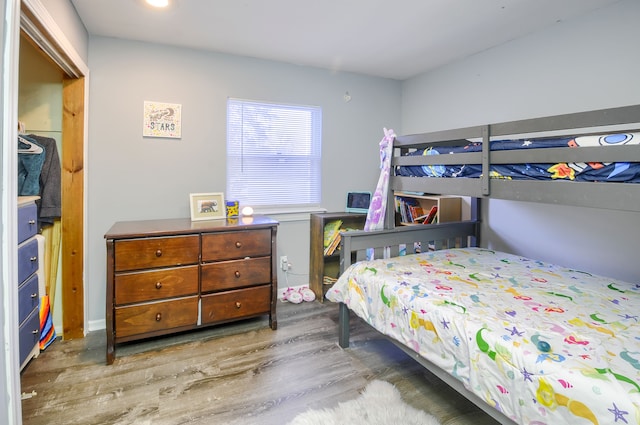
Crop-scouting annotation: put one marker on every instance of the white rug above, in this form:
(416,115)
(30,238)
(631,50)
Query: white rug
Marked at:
(379,404)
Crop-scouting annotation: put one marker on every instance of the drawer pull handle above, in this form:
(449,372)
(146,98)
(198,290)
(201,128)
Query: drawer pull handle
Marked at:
(159,253)
(238,304)
(158,285)
(34,295)
(33,259)
(237,273)
(158,317)
(32,222)
(238,244)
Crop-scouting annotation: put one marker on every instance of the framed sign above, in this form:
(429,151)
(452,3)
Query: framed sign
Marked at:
(207,206)
(162,120)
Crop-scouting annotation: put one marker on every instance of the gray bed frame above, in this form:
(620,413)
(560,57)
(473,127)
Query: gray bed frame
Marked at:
(598,195)
(390,241)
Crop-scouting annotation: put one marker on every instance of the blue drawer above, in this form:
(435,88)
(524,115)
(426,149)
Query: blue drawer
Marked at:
(29,335)
(28,298)
(27,221)
(27,259)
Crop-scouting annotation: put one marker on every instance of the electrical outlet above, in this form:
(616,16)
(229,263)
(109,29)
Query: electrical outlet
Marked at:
(284,263)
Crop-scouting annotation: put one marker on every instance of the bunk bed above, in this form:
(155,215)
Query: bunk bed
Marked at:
(527,341)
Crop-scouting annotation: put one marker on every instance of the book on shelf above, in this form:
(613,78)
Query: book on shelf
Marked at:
(333,246)
(415,213)
(331,231)
(421,218)
(432,215)
(410,210)
(332,237)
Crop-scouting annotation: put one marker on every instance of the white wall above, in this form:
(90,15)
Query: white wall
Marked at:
(10,411)
(586,63)
(65,16)
(134,178)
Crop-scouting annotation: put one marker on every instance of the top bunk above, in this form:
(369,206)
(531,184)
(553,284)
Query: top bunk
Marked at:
(589,159)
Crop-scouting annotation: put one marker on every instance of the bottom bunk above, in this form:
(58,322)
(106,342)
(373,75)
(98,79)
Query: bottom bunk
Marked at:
(529,342)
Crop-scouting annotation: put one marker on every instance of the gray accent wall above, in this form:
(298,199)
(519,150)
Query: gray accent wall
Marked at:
(586,63)
(134,178)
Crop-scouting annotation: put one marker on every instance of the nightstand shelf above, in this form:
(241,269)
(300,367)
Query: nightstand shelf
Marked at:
(449,208)
(324,269)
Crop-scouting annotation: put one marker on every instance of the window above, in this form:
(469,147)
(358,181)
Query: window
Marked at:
(273,154)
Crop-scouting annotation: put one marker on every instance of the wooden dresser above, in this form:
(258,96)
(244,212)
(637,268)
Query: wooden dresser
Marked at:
(167,276)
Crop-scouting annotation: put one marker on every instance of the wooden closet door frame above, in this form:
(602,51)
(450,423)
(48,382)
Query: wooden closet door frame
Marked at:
(39,26)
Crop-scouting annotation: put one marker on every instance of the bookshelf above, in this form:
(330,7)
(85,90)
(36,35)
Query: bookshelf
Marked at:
(449,208)
(325,268)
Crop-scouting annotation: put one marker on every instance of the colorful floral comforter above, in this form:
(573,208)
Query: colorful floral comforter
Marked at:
(541,343)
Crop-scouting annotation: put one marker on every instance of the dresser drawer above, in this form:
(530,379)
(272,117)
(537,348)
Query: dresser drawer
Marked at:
(156,316)
(27,259)
(136,254)
(27,221)
(29,335)
(236,274)
(230,245)
(28,298)
(151,285)
(236,304)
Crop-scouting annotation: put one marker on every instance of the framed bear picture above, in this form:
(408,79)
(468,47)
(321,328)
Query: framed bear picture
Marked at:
(207,206)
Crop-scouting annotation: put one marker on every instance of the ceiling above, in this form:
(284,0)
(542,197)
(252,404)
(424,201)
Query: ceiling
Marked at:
(393,39)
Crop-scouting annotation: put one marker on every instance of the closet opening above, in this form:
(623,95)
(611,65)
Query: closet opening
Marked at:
(51,105)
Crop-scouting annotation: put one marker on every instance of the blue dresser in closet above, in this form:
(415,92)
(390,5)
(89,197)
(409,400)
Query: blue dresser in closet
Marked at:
(28,279)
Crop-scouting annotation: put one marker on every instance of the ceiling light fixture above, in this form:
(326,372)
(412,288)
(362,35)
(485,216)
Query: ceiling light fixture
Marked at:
(158,3)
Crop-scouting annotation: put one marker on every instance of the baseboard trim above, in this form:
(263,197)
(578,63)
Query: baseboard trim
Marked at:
(96,325)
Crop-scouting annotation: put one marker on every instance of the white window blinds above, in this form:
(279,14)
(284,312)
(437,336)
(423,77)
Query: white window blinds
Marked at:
(273,154)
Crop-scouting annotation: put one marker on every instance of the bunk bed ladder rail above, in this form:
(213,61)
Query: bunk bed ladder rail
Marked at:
(486,160)
(356,243)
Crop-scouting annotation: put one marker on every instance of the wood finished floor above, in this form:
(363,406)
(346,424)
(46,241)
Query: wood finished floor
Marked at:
(235,374)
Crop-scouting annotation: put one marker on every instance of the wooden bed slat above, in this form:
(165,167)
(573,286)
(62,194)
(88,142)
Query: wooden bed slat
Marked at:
(461,187)
(545,155)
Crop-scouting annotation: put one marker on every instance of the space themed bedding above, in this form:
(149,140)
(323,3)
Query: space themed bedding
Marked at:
(568,171)
(541,343)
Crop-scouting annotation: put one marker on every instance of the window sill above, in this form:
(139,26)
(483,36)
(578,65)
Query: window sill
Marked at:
(283,215)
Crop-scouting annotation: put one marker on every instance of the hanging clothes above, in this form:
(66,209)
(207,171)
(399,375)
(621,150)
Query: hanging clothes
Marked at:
(378,206)
(50,203)
(47,331)
(31,157)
